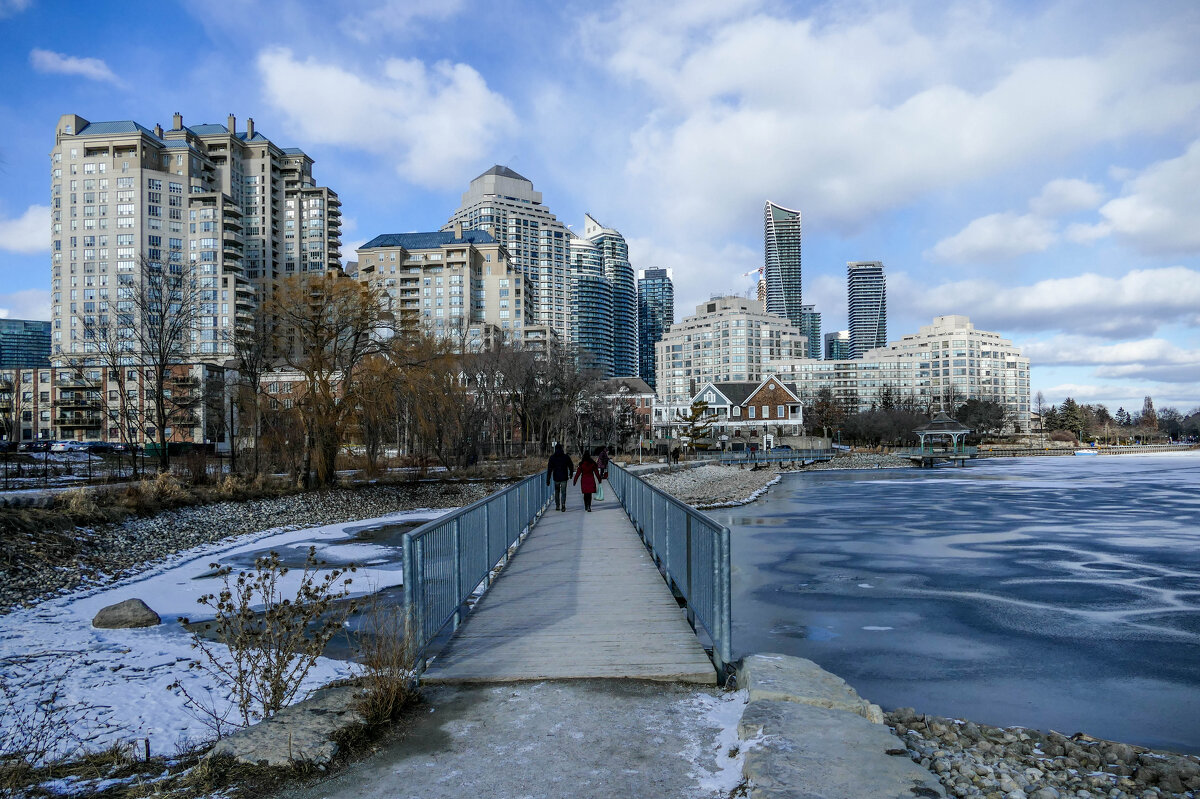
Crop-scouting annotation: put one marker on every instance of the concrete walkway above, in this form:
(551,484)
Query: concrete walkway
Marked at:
(581,599)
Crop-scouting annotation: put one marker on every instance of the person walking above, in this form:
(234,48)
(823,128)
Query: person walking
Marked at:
(587,476)
(560,468)
(602,467)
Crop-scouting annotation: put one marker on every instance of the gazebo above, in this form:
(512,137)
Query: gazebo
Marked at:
(942,424)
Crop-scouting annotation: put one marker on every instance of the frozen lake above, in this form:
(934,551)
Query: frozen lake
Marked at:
(1057,593)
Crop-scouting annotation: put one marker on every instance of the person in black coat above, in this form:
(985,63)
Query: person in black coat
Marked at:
(560,468)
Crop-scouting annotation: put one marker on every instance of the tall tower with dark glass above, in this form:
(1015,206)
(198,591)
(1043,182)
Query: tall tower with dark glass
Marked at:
(810,328)
(591,307)
(781,254)
(614,254)
(656,313)
(866,293)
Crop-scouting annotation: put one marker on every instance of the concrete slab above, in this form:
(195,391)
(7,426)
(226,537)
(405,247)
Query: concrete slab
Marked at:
(792,679)
(807,752)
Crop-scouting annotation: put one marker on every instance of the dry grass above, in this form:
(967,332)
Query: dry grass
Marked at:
(388,654)
(81,502)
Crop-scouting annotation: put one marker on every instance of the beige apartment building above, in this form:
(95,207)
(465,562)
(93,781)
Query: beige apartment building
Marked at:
(729,339)
(229,207)
(456,283)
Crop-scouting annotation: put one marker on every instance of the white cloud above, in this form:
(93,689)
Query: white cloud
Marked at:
(1082,233)
(57,63)
(1065,196)
(847,117)
(996,237)
(396,17)
(432,123)
(26,304)
(1146,359)
(1134,304)
(1159,208)
(28,233)
(10,7)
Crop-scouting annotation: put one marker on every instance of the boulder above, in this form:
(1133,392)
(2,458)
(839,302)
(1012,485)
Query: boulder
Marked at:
(305,732)
(130,613)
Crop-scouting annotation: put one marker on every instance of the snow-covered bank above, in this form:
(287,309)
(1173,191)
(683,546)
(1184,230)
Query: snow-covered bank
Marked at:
(122,675)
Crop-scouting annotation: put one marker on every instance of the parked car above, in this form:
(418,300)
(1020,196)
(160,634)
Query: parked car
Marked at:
(782,448)
(35,446)
(68,446)
(102,447)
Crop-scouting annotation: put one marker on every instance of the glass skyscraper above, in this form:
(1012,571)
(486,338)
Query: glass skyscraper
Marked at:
(781,254)
(656,313)
(24,344)
(810,328)
(615,255)
(591,305)
(866,294)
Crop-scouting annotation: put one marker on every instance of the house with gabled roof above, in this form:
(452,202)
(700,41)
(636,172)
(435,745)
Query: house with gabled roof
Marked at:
(753,413)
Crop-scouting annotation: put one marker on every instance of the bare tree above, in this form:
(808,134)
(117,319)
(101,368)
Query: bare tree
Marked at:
(251,349)
(325,326)
(151,326)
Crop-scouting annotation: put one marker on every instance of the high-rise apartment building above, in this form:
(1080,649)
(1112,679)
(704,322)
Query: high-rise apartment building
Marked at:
(781,262)
(456,284)
(810,328)
(837,345)
(656,314)
(504,204)
(866,294)
(230,209)
(591,307)
(728,339)
(614,254)
(24,343)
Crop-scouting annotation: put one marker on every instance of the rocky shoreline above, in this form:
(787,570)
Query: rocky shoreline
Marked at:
(1016,763)
(106,553)
(715,486)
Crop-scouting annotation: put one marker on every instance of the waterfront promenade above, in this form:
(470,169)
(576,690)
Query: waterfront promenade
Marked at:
(582,598)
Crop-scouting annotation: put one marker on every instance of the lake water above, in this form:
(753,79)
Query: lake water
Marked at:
(1056,593)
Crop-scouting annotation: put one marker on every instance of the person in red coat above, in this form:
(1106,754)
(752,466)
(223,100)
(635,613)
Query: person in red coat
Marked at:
(587,476)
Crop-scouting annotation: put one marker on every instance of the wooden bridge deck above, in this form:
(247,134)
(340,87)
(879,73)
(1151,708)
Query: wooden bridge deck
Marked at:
(582,598)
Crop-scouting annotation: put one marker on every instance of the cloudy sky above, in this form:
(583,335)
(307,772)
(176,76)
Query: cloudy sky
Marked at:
(1033,165)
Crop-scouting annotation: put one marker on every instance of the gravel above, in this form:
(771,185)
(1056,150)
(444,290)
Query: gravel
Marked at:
(1017,763)
(107,553)
(715,486)
(861,460)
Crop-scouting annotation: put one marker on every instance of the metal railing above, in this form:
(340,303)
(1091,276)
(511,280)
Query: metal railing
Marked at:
(946,452)
(446,559)
(692,551)
(768,456)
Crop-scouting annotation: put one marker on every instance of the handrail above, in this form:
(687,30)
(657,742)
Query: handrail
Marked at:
(692,551)
(446,559)
(768,456)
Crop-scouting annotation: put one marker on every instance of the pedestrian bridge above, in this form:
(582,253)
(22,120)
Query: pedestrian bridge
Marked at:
(639,588)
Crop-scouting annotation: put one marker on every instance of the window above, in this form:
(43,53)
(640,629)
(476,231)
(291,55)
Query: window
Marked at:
(751,411)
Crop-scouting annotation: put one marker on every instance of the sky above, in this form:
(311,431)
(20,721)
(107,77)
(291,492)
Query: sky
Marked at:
(1035,166)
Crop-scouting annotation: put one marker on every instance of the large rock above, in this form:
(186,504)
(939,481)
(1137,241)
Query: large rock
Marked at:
(301,733)
(798,751)
(130,613)
(791,679)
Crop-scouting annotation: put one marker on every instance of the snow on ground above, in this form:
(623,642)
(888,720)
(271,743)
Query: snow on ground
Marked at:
(724,712)
(124,674)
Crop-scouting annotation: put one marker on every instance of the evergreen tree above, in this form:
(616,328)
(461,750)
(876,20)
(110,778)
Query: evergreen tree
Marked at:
(1122,417)
(1050,419)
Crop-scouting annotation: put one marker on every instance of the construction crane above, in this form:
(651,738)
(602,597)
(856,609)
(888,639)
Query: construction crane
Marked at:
(759,270)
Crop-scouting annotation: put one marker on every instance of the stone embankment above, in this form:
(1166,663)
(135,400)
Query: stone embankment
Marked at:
(1016,763)
(715,486)
(861,460)
(108,552)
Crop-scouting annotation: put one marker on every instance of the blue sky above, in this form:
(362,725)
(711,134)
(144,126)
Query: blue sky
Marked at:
(1035,166)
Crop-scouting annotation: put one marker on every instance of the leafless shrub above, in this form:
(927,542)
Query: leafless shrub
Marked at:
(266,643)
(81,502)
(388,654)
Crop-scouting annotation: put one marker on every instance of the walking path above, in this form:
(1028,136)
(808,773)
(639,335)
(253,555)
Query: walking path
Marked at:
(581,599)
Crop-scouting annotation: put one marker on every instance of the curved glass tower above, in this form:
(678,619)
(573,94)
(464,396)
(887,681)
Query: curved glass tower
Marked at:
(615,255)
(656,313)
(781,262)
(591,305)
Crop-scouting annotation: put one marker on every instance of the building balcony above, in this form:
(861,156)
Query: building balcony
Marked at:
(79,420)
(85,402)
